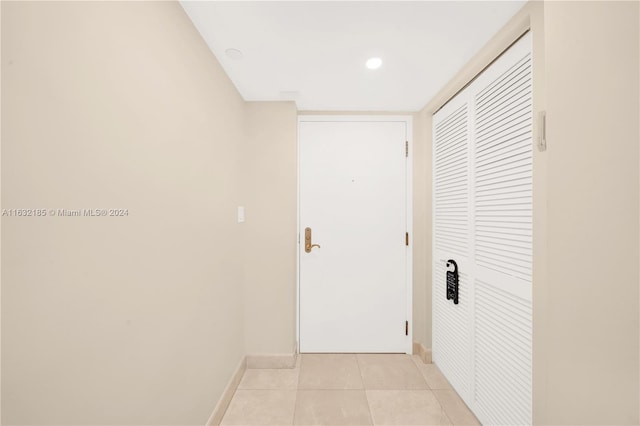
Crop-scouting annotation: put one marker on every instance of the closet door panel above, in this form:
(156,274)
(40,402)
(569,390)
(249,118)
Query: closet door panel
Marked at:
(451,197)
(503,229)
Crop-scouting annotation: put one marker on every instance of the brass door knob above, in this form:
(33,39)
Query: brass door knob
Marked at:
(307,241)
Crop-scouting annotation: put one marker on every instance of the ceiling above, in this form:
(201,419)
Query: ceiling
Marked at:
(315,52)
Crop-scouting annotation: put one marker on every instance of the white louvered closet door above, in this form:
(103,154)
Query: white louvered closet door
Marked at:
(482,176)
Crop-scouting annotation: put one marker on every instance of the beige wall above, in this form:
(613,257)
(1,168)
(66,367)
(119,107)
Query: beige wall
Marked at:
(270,231)
(132,320)
(592,304)
(421,230)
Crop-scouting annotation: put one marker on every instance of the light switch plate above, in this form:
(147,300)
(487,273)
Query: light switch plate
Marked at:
(240,214)
(542,131)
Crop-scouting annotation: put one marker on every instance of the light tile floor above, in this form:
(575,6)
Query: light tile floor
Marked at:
(348,389)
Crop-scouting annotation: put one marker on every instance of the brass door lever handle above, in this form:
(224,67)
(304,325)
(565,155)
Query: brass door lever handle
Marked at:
(307,241)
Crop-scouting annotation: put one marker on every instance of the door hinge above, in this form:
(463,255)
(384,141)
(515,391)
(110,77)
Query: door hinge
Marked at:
(406,149)
(406,238)
(406,328)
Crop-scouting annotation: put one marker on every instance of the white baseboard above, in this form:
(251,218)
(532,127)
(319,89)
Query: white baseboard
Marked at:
(422,352)
(227,394)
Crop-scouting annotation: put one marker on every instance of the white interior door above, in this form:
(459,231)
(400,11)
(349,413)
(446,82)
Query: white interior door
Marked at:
(483,210)
(353,196)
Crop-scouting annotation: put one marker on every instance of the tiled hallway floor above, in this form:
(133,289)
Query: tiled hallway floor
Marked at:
(348,389)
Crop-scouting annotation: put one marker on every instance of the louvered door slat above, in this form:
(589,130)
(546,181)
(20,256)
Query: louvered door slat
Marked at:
(503,82)
(450,181)
(502,140)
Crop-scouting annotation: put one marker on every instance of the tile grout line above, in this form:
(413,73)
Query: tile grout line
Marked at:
(235,391)
(364,388)
(421,374)
(464,404)
(295,402)
(442,405)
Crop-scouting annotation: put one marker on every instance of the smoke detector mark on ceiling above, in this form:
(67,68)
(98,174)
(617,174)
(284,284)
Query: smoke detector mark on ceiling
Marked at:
(234,54)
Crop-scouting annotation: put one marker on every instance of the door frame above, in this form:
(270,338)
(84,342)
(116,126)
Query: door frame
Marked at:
(408,120)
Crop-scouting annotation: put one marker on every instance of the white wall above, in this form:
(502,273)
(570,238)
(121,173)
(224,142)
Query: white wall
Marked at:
(131,320)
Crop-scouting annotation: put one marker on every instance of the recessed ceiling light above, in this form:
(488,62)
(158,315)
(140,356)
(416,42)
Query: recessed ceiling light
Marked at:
(374,63)
(234,54)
